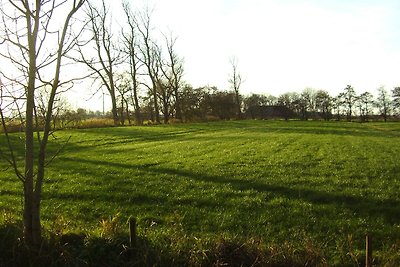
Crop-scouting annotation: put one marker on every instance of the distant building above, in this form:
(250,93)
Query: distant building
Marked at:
(269,112)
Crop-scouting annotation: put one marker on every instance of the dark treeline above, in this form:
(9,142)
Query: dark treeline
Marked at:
(210,104)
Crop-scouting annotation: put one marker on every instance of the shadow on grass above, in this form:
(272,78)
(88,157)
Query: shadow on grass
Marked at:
(192,131)
(82,250)
(386,209)
(106,137)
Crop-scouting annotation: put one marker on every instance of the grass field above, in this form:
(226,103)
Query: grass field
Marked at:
(296,188)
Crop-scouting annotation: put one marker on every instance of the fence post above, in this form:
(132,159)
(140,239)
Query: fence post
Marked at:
(368,251)
(132,231)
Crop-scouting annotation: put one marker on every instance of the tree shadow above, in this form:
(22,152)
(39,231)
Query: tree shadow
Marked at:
(80,249)
(388,209)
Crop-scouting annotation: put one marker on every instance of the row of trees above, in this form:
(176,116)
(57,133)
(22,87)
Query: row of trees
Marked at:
(319,104)
(210,103)
(140,69)
(131,60)
(204,103)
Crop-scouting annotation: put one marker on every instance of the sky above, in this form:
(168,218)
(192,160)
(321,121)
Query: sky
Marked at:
(280,45)
(283,45)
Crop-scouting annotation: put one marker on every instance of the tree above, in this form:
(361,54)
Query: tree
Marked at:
(123,88)
(290,100)
(107,56)
(60,106)
(222,104)
(383,103)
(307,103)
(364,101)
(36,47)
(236,81)
(338,103)
(174,73)
(323,104)
(396,98)
(130,41)
(165,93)
(149,57)
(349,97)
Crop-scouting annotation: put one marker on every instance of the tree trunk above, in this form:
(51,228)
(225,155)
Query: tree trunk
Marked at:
(128,116)
(114,107)
(177,104)
(238,106)
(156,109)
(122,119)
(29,235)
(138,114)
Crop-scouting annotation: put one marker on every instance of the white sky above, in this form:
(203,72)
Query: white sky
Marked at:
(285,45)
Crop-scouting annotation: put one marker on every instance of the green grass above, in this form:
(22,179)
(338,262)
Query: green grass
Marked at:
(296,184)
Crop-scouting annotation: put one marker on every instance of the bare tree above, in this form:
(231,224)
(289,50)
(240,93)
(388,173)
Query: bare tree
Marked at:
(396,99)
(106,55)
(323,103)
(338,103)
(36,47)
(175,73)
(364,103)
(349,98)
(164,94)
(383,103)
(149,53)
(236,81)
(307,103)
(169,82)
(130,41)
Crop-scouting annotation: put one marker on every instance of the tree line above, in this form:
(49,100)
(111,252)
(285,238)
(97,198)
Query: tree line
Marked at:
(319,104)
(209,103)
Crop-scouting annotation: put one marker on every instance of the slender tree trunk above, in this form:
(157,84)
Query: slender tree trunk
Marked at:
(29,139)
(122,119)
(166,111)
(128,116)
(138,115)
(114,107)
(156,108)
(238,106)
(178,104)
(29,166)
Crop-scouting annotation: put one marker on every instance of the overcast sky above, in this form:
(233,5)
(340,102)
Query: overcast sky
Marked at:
(285,45)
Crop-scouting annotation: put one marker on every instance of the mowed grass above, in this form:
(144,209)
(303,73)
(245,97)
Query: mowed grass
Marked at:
(319,184)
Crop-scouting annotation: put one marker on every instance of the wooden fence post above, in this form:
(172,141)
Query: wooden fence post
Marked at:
(368,251)
(132,231)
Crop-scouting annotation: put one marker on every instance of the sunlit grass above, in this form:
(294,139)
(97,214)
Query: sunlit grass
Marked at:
(270,180)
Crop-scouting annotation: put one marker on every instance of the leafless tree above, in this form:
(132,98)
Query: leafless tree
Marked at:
(349,98)
(149,56)
(130,41)
(35,46)
(123,88)
(236,81)
(173,72)
(383,103)
(165,90)
(106,54)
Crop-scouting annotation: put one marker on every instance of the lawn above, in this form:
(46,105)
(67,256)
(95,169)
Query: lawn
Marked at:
(317,187)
